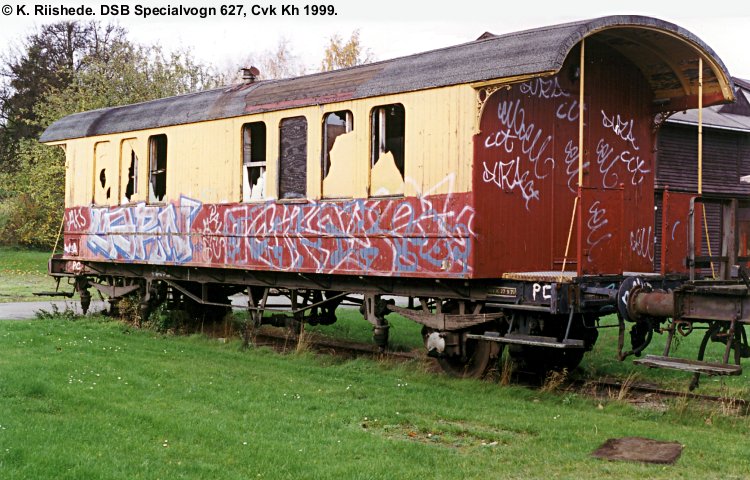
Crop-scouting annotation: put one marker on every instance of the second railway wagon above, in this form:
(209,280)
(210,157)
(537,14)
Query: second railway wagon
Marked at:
(507,184)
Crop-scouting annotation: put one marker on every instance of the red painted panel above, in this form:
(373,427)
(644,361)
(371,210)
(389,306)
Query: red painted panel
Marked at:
(603,211)
(425,237)
(526,171)
(674,231)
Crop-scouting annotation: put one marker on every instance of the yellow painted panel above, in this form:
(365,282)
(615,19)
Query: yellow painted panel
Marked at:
(204,160)
(385,178)
(340,181)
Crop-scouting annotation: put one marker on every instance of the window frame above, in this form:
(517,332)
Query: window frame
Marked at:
(153,157)
(263,165)
(280,177)
(379,140)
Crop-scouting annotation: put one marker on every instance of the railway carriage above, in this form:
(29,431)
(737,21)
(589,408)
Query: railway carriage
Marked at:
(504,186)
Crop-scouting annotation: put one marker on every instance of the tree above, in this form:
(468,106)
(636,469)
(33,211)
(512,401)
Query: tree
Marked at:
(109,73)
(341,55)
(46,61)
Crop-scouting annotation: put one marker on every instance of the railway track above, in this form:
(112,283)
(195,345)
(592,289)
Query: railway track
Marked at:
(638,393)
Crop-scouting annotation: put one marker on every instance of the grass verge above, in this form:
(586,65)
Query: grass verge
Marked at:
(23,272)
(95,399)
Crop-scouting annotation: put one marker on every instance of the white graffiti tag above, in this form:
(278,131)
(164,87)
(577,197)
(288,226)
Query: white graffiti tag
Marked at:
(642,242)
(622,128)
(597,222)
(508,176)
(543,88)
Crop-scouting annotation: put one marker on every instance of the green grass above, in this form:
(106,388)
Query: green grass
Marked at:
(350,325)
(94,399)
(602,362)
(23,272)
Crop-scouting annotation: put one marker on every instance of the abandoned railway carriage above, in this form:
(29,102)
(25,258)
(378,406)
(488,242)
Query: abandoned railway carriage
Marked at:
(507,184)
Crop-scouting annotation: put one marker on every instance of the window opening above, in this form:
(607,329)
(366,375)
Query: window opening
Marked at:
(157,158)
(253,161)
(293,158)
(104,166)
(132,186)
(334,125)
(387,152)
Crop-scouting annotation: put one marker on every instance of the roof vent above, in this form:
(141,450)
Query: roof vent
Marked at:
(250,74)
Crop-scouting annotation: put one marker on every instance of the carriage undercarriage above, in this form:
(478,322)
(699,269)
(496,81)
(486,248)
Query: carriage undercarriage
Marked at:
(546,322)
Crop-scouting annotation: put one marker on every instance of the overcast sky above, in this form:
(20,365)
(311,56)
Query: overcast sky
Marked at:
(390,28)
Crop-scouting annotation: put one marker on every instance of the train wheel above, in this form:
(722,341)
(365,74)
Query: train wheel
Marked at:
(473,364)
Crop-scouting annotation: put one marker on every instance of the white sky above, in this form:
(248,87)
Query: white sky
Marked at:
(391,28)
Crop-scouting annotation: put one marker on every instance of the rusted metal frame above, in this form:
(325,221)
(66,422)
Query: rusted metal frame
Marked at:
(321,303)
(191,295)
(446,321)
(567,328)
(530,340)
(513,306)
(369,282)
(324,285)
(401,286)
(451,288)
(271,282)
(375,314)
(113,291)
(730,339)
(670,336)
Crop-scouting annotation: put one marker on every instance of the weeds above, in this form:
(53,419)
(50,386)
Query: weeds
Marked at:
(554,380)
(303,341)
(626,385)
(506,370)
(68,313)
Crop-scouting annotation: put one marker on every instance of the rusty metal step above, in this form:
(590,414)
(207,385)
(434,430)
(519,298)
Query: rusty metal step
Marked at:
(533,340)
(686,365)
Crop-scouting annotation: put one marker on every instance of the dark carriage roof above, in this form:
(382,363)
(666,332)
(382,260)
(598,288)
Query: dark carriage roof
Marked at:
(663,51)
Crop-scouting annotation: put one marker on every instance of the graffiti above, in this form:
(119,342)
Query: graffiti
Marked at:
(597,222)
(674,229)
(568,112)
(428,233)
(533,142)
(571,165)
(71,248)
(622,128)
(75,219)
(143,233)
(606,162)
(642,242)
(508,176)
(634,165)
(543,88)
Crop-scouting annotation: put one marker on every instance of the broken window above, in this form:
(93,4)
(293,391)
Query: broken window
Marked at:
(103,173)
(387,155)
(132,187)
(293,158)
(337,166)
(253,161)
(129,165)
(157,161)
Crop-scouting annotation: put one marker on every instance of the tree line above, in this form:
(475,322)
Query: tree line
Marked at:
(73,66)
